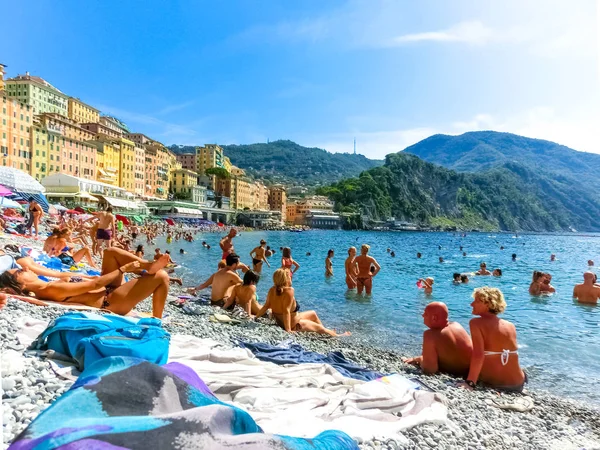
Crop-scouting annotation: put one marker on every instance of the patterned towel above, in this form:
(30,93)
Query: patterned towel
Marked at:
(128,403)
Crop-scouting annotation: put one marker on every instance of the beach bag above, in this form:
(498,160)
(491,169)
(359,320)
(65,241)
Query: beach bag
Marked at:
(71,335)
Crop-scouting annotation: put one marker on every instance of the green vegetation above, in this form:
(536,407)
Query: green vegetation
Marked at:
(511,197)
(218,172)
(289,163)
(483,150)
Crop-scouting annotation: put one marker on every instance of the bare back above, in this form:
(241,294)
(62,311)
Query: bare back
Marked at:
(453,347)
(105,220)
(587,293)
(223,283)
(492,334)
(364,263)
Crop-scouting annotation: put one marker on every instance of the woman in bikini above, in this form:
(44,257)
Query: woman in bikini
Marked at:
(329,264)
(244,295)
(35,215)
(107,291)
(495,358)
(536,281)
(258,255)
(287,262)
(63,249)
(351,268)
(285,309)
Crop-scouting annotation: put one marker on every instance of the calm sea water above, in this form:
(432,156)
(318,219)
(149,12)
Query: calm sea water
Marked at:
(559,339)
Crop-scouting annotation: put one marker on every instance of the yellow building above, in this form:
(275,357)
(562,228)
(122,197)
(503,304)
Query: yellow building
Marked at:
(81,112)
(211,155)
(297,210)
(127,164)
(183,182)
(40,155)
(227,164)
(16,119)
(140,170)
(239,191)
(260,194)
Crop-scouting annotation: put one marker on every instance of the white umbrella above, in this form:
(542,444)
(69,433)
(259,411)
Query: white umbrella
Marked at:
(59,207)
(8,203)
(17,180)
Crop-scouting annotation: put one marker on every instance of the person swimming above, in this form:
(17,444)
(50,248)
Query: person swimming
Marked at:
(329,264)
(483,270)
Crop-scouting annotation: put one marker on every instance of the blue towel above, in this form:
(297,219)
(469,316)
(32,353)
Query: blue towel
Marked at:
(128,403)
(295,354)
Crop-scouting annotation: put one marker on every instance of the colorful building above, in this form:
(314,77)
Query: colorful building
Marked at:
(82,112)
(278,200)
(16,120)
(2,72)
(139,170)
(127,164)
(211,155)
(109,159)
(37,93)
(183,184)
(316,205)
(240,192)
(188,161)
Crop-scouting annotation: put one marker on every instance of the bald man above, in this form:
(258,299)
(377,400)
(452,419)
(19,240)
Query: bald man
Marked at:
(587,292)
(447,347)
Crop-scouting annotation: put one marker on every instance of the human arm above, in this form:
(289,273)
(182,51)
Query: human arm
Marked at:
(294,263)
(265,307)
(264,258)
(478,355)
(287,314)
(204,285)
(231,299)
(377,266)
(429,363)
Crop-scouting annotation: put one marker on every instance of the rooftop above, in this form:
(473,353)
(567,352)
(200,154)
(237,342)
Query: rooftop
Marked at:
(83,103)
(38,80)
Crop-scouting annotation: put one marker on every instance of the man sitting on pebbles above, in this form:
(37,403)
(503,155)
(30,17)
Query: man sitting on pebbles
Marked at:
(447,346)
(223,280)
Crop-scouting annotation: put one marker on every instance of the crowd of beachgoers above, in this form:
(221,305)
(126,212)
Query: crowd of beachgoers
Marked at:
(478,372)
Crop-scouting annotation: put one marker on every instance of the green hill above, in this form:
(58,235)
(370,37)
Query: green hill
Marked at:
(482,150)
(290,163)
(511,196)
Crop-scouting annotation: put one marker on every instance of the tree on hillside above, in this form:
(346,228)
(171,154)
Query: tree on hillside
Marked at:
(219,172)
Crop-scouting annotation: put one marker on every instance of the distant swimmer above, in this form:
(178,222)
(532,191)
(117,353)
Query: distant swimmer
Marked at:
(590,263)
(419,255)
(461,248)
(456,278)
(546,284)
(439,247)
(226,243)
(393,254)
(501,247)
(447,346)
(389,249)
(587,292)
(329,264)
(552,257)
(258,255)
(351,268)
(514,256)
(464,278)
(483,270)
(497,272)
(464,253)
(441,259)
(364,280)
(426,284)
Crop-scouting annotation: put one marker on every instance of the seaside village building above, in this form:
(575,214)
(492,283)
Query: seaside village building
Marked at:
(315,211)
(88,158)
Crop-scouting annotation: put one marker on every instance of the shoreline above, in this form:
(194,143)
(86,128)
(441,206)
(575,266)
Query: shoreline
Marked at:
(553,423)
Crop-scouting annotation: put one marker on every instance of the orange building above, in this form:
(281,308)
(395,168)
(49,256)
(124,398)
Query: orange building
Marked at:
(16,119)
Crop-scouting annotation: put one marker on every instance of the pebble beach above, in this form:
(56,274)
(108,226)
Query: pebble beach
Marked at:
(552,423)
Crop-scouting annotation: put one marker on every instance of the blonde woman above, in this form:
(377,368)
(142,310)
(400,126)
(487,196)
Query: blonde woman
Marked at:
(495,359)
(285,309)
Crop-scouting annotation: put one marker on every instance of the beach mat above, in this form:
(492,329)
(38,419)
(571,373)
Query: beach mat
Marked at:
(129,403)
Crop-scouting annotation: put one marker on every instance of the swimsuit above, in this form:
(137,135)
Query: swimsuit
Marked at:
(280,322)
(105,235)
(363,281)
(256,261)
(504,355)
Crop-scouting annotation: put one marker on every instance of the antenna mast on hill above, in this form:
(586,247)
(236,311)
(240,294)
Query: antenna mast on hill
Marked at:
(355,146)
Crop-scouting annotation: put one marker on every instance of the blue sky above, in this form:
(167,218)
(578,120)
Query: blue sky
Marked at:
(320,73)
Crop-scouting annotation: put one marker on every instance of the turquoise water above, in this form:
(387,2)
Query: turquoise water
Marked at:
(559,339)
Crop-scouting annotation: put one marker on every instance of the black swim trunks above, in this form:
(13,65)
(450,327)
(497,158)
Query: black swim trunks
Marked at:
(256,261)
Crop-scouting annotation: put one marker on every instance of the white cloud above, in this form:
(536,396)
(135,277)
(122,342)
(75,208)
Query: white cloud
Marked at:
(471,32)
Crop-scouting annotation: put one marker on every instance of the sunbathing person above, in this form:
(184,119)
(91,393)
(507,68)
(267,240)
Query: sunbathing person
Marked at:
(8,262)
(447,347)
(587,292)
(495,359)
(107,291)
(244,295)
(285,309)
(223,281)
(63,249)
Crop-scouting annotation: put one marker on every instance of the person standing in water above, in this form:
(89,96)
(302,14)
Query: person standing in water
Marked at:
(287,262)
(364,279)
(226,243)
(329,264)
(258,255)
(351,269)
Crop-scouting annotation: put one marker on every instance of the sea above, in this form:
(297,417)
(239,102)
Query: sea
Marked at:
(559,339)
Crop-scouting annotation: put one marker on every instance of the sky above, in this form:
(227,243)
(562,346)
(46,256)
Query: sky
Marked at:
(388,73)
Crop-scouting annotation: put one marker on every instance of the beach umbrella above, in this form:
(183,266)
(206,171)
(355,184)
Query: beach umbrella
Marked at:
(8,203)
(73,211)
(60,207)
(18,181)
(123,219)
(4,191)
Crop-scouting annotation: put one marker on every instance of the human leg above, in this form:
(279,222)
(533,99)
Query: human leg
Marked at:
(360,285)
(125,297)
(113,258)
(309,326)
(368,285)
(309,315)
(84,253)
